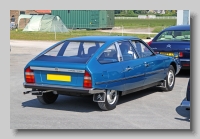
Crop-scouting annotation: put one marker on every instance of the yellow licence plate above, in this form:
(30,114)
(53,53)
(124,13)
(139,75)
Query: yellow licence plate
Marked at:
(167,53)
(56,77)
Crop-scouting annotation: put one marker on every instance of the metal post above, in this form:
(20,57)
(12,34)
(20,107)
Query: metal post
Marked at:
(149,31)
(73,26)
(55,32)
(122,30)
(111,31)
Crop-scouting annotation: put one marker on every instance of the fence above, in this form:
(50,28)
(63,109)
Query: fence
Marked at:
(57,32)
(145,30)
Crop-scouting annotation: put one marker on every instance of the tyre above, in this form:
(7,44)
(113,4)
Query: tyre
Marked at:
(111,100)
(48,98)
(170,79)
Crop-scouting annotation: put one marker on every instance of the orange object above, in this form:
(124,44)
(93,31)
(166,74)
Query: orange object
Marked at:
(43,11)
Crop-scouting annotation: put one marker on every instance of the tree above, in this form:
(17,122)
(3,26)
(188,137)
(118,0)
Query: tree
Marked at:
(117,11)
(174,11)
(123,12)
(130,12)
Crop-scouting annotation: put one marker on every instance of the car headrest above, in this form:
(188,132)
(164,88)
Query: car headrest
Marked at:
(168,36)
(92,50)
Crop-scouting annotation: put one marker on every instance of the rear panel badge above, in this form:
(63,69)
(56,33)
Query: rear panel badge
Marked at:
(99,97)
(168,46)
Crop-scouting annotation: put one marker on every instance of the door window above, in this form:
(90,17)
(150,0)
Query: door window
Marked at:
(142,49)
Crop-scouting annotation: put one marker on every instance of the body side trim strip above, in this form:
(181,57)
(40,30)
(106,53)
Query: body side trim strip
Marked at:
(135,76)
(97,83)
(152,72)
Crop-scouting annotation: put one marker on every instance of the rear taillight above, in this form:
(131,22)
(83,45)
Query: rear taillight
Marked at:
(29,75)
(186,65)
(180,54)
(149,43)
(87,82)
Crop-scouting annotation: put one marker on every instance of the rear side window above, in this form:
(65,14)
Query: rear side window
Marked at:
(82,49)
(54,51)
(109,55)
(70,51)
(175,35)
(127,51)
(142,49)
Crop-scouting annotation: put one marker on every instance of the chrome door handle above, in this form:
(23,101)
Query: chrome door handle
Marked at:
(127,69)
(146,64)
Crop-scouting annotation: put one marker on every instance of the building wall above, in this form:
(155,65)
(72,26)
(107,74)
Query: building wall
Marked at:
(86,19)
(183,17)
(22,22)
(186,17)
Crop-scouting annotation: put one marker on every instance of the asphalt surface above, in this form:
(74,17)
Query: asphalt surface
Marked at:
(147,109)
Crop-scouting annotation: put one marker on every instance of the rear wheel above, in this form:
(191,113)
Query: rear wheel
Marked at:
(170,79)
(111,100)
(48,98)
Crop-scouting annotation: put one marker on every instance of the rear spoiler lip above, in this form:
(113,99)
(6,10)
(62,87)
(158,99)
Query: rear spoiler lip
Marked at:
(57,69)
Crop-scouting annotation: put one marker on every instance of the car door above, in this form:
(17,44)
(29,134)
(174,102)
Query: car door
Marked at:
(133,66)
(108,70)
(154,65)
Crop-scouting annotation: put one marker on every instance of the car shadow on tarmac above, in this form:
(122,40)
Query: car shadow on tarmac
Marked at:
(138,94)
(185,113)
(83,104)
(183,74)
(66,103)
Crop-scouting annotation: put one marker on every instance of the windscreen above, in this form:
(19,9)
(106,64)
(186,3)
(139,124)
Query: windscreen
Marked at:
(72,52)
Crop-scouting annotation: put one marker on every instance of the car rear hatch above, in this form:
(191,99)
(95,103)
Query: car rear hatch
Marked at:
(172,48)
(58,73)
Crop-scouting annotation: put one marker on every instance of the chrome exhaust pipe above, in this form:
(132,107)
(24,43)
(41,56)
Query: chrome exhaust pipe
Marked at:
(27,92)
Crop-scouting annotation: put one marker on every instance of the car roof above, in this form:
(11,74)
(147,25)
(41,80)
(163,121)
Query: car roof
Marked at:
(103,38)
(178,27)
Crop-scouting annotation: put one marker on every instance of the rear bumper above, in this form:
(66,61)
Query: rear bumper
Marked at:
(185,103)
(68,90)
(185,63)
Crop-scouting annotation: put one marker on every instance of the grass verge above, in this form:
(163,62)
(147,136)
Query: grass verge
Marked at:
(156,24)
(20,35)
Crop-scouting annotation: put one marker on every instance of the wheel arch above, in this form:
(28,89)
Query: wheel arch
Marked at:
(174,65)
(120,93)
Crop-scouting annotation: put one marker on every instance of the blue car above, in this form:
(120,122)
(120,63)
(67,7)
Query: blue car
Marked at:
(186,102)
(174,41)
(103,66)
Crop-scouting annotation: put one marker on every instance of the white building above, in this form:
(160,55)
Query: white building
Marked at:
(183,17)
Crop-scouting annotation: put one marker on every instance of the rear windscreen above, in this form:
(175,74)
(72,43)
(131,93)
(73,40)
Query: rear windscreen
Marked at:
(70,51)
(176,35)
